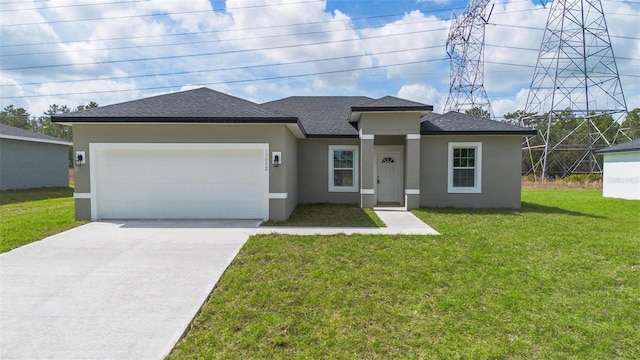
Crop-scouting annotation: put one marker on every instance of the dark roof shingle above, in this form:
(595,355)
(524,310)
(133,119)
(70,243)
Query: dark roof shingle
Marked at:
(391,103)
(633,145)
(317,116)
(455,123)
(321,116)
(11,131)
(198,105)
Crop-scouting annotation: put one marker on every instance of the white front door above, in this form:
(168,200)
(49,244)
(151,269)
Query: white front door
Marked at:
(389,177)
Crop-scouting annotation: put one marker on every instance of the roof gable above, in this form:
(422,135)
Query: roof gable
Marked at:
(198,105)
(14,133)
(455,123)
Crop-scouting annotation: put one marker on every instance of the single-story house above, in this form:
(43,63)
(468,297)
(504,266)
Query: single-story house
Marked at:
(621,171)
(205,154)
(32,160)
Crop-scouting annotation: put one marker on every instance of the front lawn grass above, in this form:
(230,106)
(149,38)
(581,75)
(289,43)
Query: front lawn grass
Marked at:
(558,279)
(330,215)
(33,214)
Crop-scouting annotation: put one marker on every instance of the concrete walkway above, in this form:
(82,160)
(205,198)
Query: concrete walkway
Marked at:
(398,222)
(129,289)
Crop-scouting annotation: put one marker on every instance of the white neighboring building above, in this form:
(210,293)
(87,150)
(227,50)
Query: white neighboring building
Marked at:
(621,172)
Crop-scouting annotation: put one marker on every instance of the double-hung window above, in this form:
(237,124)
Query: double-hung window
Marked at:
(465,167)
(343,168)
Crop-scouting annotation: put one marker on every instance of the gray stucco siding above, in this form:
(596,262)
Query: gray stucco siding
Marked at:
(30,164)
(389,140)
(290,162)
(389,123)
(313,172)
(276,135)
(501,178)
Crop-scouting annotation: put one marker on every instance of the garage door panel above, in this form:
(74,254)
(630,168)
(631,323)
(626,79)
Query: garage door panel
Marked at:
(181,183)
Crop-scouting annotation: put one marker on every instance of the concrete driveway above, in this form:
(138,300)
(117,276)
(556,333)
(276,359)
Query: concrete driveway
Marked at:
(117,290)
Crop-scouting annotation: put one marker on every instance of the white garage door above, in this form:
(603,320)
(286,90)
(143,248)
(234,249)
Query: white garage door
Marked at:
(180,181)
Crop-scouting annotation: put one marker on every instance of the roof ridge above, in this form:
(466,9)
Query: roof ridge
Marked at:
(391,102)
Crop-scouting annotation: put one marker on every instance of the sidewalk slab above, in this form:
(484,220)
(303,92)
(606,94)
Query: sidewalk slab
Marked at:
(398,223)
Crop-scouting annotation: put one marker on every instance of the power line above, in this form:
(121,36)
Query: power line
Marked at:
(250,67)
(275,65)
(68,6)
(17,2)
(243,29)
(542,29)
(232,81)
(280,64)
(211,53)
(212,41)
(224,31)
(152,15)
(255,38)
(264,37)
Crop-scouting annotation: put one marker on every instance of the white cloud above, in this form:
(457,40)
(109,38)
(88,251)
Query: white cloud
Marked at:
(504,105)
(189,87)
(279,34)
(196,14)
(250,89)
(425,94)
(113,92)
(414,30)
(440,2)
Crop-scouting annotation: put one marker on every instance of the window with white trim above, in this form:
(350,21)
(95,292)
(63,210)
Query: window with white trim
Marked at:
(343,168)
(465,167)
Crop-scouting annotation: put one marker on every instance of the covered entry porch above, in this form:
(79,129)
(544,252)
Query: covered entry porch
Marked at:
(390,170)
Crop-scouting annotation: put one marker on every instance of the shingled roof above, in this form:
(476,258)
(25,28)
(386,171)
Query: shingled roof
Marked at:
(14,133)
(198,105)
(455,123)
(321,116)
(391,103)
(633,145)
(317,116)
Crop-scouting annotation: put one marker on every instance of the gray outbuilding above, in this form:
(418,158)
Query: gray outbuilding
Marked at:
(32,160)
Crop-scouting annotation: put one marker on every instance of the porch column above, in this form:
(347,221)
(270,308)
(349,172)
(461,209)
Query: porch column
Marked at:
(412,172)
(367,154)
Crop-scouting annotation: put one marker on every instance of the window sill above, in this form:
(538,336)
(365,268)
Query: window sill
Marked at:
(464,191)
(343,190)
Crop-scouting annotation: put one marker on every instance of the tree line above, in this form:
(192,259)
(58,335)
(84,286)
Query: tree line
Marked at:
(21,118)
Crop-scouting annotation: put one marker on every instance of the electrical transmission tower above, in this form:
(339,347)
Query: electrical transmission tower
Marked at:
(575,99)
(465,47)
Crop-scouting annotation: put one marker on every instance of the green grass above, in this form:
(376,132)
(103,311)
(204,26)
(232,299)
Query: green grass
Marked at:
(33,214)
(558,279)
(330,215)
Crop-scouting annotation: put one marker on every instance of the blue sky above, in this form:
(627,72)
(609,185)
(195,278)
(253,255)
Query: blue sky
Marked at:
(75,51)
